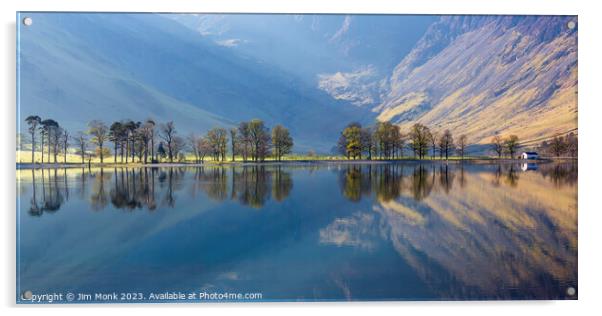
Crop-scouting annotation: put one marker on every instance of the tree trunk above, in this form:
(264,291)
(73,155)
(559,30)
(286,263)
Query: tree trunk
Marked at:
(48,154)
(152,147)
(42,148)
(33,146)
(146,153)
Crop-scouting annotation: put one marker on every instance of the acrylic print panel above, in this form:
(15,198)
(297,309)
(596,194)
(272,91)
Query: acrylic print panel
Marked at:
(276,157)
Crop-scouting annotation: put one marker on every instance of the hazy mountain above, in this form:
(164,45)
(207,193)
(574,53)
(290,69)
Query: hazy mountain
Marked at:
(344,55)
(79,67)
(483,75)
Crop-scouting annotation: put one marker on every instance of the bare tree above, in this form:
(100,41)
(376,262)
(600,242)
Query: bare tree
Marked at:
(572,144)
(218,139)
(65,141)
(204,148)
(167,132)
(462,145)
(282,141)
(150,128)
(116,135)
(511,145)
(99,132)
(194,143)
(46,128)
(244,140)
(400,144)
(233,141)
(178,145)
(55,140)
(446,144)
(146,134)
(433,138)
(82,143)
(260,139)
(558,145)
(33,121)
(498,145)
(419,136)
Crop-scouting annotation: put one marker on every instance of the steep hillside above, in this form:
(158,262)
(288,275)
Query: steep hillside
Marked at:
(79,67)
(482,75)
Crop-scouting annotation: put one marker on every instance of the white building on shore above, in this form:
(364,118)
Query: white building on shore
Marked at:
(529,155)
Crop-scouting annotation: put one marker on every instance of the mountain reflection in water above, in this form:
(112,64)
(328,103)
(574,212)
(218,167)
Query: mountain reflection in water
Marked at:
(320,231)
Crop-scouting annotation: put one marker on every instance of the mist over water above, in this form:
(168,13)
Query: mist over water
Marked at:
(322,231)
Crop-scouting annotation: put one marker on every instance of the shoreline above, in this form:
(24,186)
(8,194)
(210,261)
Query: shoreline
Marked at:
(20,166)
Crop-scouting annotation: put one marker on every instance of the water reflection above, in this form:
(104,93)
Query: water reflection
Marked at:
(388,182)
(137,188)
(54,193)
(452,234)
(403,231)
(143,188)
(560,174)
(133,190)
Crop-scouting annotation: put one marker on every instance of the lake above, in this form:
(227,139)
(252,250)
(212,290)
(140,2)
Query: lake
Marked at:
(314,231)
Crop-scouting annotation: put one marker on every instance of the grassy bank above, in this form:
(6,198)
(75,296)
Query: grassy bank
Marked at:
(74,161)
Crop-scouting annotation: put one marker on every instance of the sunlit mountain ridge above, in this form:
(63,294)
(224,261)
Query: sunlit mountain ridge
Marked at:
(488,75)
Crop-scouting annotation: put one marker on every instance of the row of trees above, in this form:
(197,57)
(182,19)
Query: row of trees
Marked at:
(508,145)
(385,140)
(51,137)
(252,140)
(560,146)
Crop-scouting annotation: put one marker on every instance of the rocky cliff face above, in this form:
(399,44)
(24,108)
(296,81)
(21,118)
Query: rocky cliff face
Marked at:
(483,75)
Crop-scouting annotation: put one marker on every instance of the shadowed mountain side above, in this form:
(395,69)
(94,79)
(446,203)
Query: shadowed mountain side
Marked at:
(79,67)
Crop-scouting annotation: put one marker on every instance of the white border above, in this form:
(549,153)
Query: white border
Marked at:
(590,122)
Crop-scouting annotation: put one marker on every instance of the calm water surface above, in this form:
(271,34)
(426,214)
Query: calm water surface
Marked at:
(403,231)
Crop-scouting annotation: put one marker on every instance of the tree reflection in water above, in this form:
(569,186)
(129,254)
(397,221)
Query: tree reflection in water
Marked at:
(388,181)
(134,189)
(53,194)
(254,185)
(98,196)
(148,188)
(465,230)
(282,184)
(451,222)
(560,174)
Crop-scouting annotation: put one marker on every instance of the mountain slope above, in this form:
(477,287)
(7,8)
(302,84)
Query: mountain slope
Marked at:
(79,67)
(344,55)
(482,75)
